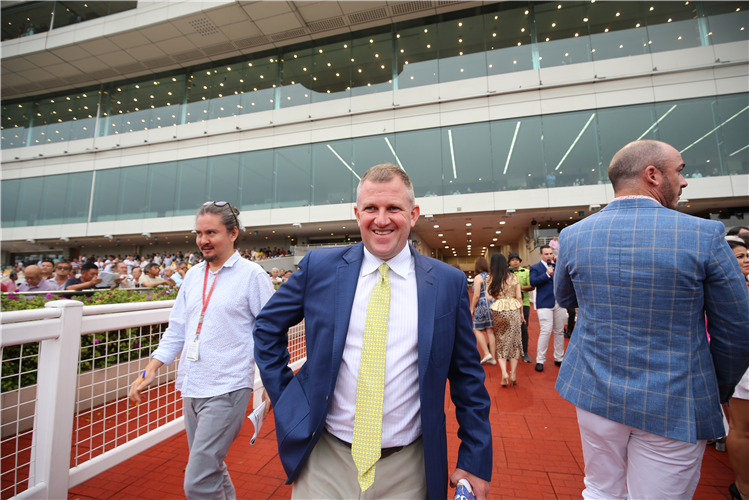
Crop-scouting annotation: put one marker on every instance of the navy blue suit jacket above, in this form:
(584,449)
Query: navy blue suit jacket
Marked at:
(544,286)
(322,293)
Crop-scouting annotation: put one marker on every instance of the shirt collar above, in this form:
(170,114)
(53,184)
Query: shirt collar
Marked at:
(400,264)
(229,262)
(635,197)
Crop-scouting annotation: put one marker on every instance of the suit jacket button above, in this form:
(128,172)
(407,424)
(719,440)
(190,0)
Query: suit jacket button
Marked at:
(327,397)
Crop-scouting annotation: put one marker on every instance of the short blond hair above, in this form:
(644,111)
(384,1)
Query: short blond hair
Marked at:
(386,172)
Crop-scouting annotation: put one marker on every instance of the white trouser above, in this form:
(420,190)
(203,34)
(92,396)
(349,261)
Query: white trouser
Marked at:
(551,319)
(624,462)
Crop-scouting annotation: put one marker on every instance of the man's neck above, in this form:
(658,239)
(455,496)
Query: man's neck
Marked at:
(60,280)
(637,191)
(217,264)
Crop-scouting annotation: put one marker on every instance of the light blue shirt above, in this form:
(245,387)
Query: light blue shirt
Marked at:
(178,278)
(226,359)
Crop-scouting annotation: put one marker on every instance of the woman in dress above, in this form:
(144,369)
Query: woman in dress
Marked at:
(506,309)
(482,316)
(737,440)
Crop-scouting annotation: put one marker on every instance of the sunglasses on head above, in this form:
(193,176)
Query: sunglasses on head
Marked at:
(222,204)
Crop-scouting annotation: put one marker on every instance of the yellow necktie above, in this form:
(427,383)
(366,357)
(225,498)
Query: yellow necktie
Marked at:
(367,442)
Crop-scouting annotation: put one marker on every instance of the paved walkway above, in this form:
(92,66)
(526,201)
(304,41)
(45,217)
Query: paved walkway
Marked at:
(537,452)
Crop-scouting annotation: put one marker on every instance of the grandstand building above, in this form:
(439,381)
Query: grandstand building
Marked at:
(119,119)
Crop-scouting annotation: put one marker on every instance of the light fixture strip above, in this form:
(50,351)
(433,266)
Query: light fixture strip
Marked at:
(342,160)
(452,152)
(739,150)
(713,130)
(396,156)
(512,146)
(575,141)
(657,122)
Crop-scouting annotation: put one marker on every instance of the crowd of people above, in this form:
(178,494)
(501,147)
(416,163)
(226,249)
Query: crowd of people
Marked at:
(117,272)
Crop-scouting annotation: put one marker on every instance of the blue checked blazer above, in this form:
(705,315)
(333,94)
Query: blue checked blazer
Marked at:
(644,278)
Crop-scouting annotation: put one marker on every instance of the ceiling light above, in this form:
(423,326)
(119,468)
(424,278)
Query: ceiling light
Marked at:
(436,226)
(468,223)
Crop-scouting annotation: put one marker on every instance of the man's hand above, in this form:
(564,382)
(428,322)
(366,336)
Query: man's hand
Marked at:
(480,487)
(94,282)
(550,271)
(268,405)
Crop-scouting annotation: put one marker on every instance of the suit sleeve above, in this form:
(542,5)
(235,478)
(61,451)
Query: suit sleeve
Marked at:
(284,310)
(470,397)
(727,310)
(538,278)
(564,290)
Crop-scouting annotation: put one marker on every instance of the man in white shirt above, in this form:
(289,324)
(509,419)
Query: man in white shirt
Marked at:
(62,273)
(211,324)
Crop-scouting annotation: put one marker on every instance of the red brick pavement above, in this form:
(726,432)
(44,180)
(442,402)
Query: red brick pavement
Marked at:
(537,451)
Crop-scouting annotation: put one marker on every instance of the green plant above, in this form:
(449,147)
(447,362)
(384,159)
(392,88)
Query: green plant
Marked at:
(97,350)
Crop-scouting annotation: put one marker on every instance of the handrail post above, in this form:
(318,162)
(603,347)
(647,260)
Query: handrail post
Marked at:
(55,405)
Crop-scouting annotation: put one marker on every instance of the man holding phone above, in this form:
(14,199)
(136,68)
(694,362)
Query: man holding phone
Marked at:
(551,316)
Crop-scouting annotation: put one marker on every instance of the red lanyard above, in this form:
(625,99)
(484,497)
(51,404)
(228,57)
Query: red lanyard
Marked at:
(206,299)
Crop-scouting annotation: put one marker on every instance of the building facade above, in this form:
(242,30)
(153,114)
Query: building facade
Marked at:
(117,125)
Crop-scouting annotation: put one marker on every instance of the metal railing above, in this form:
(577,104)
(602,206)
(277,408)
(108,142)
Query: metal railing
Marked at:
(68,417)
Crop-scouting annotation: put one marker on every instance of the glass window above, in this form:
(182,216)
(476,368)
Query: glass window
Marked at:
(257,179)
(507,35)
(129,107)
(372,64)
(733,112)
(67,13)
(297,78)
(9,190)
(371,151)
(226,85)
(15,124)
(223,178)
(333,175)
(133,193)
(517,159)
(52,200)
(78,196)
(617,29)
(418,55)
(571,149)
(166,96)
(467,158)
(331,72)
(419,153)
(617,127)
(198,94)
(672,25)
(562,34)
(689,128)
(65,118)
(29,201)
(162,189)
(728,21)
(192,185)
(258,85)
(106,195)
(26,19)
(293,179)
(461,44)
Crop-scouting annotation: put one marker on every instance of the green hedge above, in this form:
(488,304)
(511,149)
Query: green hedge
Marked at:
(98,350)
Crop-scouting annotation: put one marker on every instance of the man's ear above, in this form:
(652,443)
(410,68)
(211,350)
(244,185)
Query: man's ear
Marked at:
(652,176)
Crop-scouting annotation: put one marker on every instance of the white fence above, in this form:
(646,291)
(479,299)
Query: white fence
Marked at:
(75,420)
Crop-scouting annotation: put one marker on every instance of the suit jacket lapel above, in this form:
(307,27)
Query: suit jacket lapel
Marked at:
(426,286)
(347,277)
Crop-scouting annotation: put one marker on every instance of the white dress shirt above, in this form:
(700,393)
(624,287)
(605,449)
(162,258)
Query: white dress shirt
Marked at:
(226,359)
(401,417)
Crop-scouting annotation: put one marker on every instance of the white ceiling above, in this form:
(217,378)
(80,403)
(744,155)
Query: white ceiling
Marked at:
(213,34)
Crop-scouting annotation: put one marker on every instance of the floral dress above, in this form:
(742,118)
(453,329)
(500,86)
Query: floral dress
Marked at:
(482,318)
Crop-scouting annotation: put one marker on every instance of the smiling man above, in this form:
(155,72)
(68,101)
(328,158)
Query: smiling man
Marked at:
(385,329)
(211,324)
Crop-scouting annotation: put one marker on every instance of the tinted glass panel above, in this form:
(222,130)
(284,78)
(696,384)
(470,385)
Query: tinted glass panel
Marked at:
(617,29)
(9,191)
(467,158)
(517,159)
(133,193)
(223,176)
(507,37)
(162,189)
(371,151)
(733,111)
(562,34)
(106,195)
(571,149)
(293,179)
(15,122)
(257,179)
(333,175)
(672,25)
(417,51)
(418,155)
(617,127)
(192,185)
(372,64)
(728,21)
(78,196)
(461,49)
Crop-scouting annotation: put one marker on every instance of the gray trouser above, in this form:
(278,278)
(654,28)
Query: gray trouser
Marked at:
(212,425)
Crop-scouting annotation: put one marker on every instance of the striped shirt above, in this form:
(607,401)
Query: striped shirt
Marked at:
(401,417)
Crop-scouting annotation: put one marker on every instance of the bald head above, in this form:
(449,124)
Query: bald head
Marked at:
(629,162)
(32,271)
